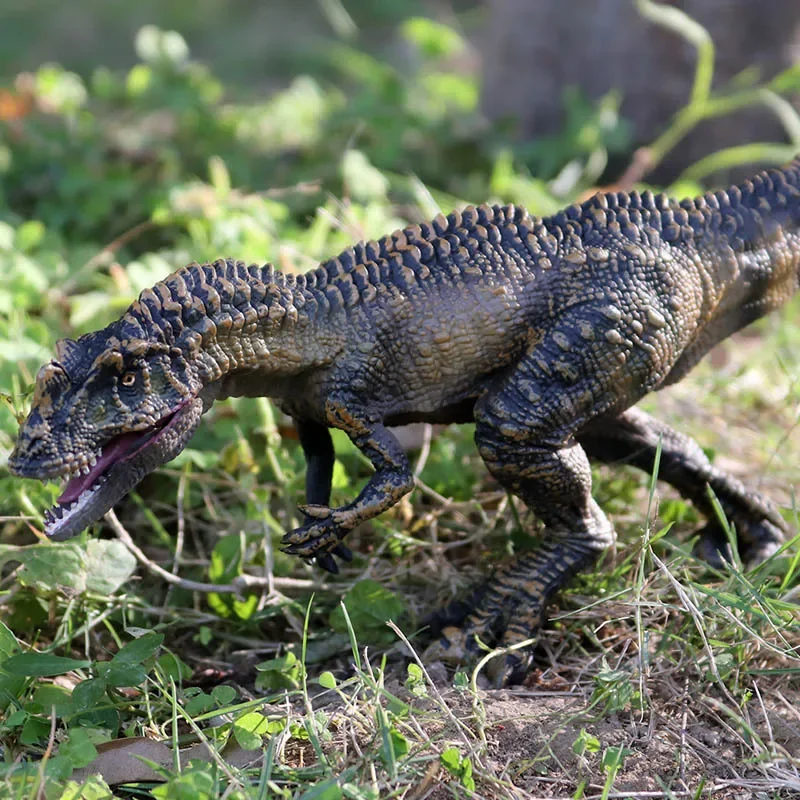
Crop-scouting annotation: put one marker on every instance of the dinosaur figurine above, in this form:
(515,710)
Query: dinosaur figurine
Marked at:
(544,332)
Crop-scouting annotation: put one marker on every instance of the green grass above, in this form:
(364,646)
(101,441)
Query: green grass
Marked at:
(178,632)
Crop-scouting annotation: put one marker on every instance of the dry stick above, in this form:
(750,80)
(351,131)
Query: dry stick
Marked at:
(237,586)
(97,259)
(424,451)
(51,739)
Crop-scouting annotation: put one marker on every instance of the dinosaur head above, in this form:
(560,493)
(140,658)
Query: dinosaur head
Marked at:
(106,412)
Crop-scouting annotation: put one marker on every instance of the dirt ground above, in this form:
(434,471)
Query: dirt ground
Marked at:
(678,747)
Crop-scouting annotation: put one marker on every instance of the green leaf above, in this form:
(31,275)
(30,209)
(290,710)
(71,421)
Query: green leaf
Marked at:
(79,749)
(433,39)
(87,694)
(29,235)
(467,781)
(364,183)
(139,79)
(39,665)
(173,667)
(585,742)
(329,790)
(415,682)
(194,783)
(7,235)
(120,675)
(16,718)
(223,695)
(204,635)
(8,642)
(613,757)
(370,606)
(249,730)
(450,760)
(199,704)
(57,565)
(100,566)
(109,565)
(34,730)
(11,687)
(399,743)
(461,681)
(327,680)
(279,673)
(139,650)
(48,696)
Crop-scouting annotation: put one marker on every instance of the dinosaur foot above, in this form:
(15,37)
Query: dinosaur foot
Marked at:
(756,543)
(488,626)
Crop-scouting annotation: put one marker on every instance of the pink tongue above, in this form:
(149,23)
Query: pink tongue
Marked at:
(111,452)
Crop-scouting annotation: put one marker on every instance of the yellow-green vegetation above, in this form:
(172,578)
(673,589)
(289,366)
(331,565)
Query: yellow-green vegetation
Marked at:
(176,632)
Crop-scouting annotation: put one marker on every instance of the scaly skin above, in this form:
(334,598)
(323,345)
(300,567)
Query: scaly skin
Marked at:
(544,332)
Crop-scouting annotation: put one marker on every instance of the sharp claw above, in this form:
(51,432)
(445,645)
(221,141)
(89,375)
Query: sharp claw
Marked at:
(511,668)
(328,563)
(344,552)
(314,511)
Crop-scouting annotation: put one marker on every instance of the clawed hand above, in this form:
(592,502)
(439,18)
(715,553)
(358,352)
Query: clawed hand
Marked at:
(319,537)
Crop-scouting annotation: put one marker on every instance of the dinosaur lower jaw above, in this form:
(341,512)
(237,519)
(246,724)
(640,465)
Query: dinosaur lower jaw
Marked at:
(123,462)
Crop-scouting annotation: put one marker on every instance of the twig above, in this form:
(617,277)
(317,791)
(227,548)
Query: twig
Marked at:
(237,586)
(424,451)
(51,739)
(97,259)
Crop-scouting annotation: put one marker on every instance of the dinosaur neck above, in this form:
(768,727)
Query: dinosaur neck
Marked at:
(229,318)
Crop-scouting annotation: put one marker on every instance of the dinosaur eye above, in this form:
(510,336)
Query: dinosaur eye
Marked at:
(128,379)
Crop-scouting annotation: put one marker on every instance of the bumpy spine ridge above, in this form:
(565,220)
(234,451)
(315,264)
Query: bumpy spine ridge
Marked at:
(199,303)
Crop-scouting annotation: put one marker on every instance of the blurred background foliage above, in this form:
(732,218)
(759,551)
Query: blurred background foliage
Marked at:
(152,159)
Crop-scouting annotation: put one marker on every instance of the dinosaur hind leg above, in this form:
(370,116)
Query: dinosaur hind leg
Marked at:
(633,438)
(527,446)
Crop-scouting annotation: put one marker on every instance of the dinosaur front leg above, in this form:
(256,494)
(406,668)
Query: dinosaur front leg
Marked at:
(325,527)
(315,439)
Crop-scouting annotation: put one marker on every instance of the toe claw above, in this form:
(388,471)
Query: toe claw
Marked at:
(343,551)
(509,669)
(327,562)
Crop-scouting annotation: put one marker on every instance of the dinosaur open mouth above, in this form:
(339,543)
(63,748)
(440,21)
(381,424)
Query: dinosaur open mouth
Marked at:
(123,461)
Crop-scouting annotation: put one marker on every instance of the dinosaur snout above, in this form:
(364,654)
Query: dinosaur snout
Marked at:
(33,449)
